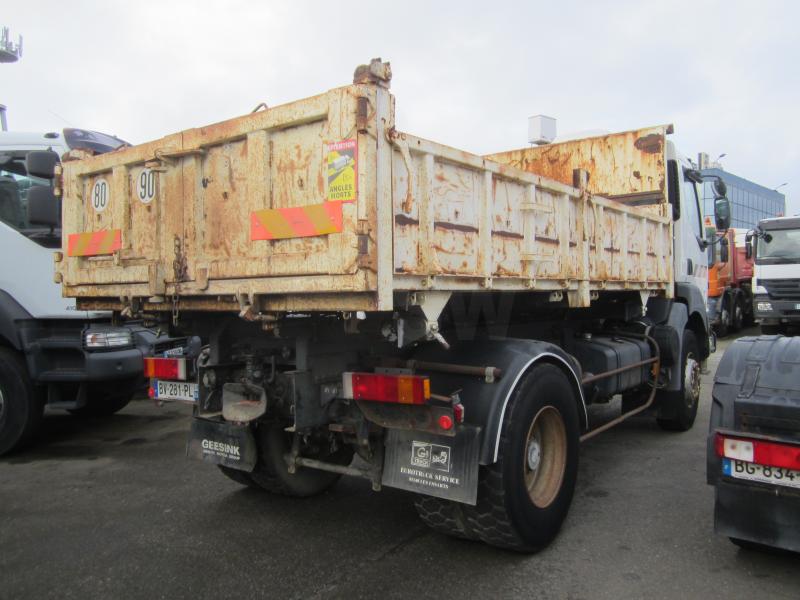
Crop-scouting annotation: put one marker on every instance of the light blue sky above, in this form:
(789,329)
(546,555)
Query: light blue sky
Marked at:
(467,74)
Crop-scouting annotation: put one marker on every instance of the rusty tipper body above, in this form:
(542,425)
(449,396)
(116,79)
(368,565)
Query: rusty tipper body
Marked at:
(448,317)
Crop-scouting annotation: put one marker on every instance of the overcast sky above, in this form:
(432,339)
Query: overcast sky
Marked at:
(467,74)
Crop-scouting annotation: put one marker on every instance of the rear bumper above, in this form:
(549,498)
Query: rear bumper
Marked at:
(761,514)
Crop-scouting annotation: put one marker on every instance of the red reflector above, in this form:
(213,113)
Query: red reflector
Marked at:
(771,454)
(151,392)
(445,422)
(402,389)
(165,368)
(458,412)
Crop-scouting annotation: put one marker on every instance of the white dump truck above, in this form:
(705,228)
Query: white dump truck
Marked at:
(52,354)
(447,318)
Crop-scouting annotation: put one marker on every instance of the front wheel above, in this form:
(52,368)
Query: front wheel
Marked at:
(524,497)
(21,407)
(677,410)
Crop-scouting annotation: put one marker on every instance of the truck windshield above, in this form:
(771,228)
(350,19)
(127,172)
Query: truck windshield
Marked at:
(14,186)
(783,247)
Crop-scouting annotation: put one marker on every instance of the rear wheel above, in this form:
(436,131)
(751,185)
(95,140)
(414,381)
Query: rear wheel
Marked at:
(240,477)
(724,324)
(523,498)
(737,315)
(677,410)
(272,473)
(21,407)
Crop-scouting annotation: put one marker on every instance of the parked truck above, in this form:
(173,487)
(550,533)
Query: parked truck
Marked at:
(51,353)
(775,243)
(447,318)
(730,274)
(754,443)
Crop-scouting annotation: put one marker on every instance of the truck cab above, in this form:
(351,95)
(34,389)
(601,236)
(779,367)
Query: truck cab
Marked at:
(775,246)
(51,353)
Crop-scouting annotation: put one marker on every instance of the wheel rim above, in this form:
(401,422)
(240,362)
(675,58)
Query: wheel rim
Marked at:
(738,313)
(2,405)
(545,457)
(691,381)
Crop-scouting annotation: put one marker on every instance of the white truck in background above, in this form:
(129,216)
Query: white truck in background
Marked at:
(776,273)
(51,353)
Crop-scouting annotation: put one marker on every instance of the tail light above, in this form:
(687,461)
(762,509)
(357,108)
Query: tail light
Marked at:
(165,368)
(378,387)
(771,454)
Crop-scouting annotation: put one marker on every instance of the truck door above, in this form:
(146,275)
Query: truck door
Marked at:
(691,260)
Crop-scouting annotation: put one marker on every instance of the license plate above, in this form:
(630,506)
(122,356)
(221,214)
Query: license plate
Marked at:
(797,306)
(176,390)
(775,475)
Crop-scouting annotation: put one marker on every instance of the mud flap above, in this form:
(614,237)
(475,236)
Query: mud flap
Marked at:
(222,444)
(434,465)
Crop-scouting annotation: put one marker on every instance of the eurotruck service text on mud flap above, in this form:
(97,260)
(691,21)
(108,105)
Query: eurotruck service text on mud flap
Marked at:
(367,302)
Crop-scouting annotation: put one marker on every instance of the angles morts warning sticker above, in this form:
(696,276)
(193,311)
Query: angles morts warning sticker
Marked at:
(342,167)
(94,243)
(297,221)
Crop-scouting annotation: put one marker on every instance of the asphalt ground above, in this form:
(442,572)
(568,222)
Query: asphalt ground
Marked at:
(111,508)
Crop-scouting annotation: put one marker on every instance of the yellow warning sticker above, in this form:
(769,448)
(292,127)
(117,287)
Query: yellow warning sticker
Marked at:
(342,164)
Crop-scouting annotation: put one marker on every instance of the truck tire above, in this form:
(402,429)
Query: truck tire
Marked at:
(272,474)
(523,498)
(21,407)
(106,399)
(441,515)
(724,324)
(771,329)
(240,477)
(737,314)
(677,410)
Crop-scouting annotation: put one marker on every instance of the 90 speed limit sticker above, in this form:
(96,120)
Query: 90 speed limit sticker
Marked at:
(100,195)
(146,186)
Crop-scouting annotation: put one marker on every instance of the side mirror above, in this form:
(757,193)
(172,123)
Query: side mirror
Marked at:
(748,245)
(722,213)
(42,163)
(720,189)
(723,250)
(43,207)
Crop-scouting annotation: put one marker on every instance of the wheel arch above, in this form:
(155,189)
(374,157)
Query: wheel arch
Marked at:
(485,402)
(572,376)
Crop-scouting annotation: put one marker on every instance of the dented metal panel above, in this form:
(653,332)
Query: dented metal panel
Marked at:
(239,213)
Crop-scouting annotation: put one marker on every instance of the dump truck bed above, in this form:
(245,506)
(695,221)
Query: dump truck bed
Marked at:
(321,205)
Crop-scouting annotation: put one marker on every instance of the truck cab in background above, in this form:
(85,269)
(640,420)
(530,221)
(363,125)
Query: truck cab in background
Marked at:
(51,353)
(775,246)
(730,273)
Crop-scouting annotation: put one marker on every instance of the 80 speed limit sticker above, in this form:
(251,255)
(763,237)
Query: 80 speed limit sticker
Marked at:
(100,195)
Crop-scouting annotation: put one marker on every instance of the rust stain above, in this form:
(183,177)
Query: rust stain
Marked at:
(455,227)
(652,143)
(508,234)
(401,219)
